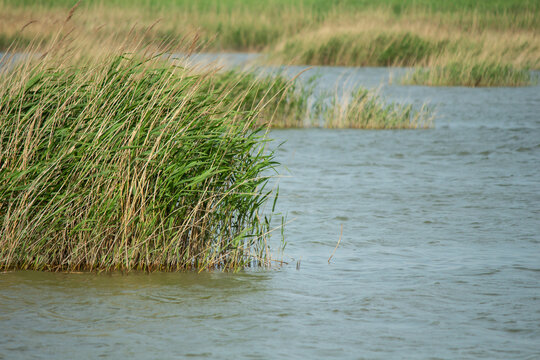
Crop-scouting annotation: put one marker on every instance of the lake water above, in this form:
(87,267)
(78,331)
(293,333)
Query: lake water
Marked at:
(439,257)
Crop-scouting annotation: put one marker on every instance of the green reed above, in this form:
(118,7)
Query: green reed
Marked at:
(127,163)
(280,102)
(283,103)
(470,74)
(364,109)
(363,49)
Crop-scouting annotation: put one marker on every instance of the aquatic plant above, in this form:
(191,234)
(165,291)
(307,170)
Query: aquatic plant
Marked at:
(127,162)
(470,74)
(345,32)
(364,109)
(13,41)
(279,101)
(362,49)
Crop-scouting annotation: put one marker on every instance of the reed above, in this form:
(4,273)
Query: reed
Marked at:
(378,39)
(424,33)
(364,109)
(362,49)
(470,74)
(279,102)
(284,103)
(235,25)
(127,162)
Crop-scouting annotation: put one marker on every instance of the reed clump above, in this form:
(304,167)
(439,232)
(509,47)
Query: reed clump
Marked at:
(364,109)
(127,162)
(279,101)
(363,49)
(470,74)
(284,103)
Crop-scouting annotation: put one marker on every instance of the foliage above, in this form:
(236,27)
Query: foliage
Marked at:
(470,74)
(127,163)
(364,109)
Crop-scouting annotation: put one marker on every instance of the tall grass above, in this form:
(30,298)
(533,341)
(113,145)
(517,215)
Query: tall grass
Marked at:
(123,160)
(470,74)
(362,49)
(378,39)
(422,33)
(239,25)
(279,102)
(285,103)
(126,162)
(364,109)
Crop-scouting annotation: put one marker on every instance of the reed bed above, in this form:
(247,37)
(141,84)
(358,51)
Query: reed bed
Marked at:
(117,158)
(129,162)
(384,41)
(364,109)
(280,102)
(301,26)
(362,49)
(126,162)
(285,103)
(472,75)
(416,33)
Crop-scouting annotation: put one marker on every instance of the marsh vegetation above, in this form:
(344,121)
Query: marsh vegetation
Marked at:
(311,32)
(127,162)
(130,143)
(130,160)
(470,74)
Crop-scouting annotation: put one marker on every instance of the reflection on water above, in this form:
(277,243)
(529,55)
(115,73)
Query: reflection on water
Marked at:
(440,255)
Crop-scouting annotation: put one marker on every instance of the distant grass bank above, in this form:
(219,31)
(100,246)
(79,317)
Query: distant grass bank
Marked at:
(425,33)
(361,49)
(472,75)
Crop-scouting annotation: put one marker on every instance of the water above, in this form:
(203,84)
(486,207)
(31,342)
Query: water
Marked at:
(439,257)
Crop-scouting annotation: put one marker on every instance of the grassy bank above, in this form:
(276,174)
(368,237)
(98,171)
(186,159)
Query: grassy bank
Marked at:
(239,25)
(313,32)
(126,162)
(361,49)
